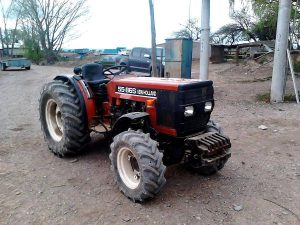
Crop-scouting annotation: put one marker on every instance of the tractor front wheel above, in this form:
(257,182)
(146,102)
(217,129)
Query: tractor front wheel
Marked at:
(137,165)
(62,118)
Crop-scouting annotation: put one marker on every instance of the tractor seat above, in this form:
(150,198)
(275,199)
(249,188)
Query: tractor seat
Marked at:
(93,74)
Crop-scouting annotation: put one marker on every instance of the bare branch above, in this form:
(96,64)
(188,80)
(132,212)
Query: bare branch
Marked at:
(53,20)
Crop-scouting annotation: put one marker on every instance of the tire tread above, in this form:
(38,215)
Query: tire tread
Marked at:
(150,163)
(76,135)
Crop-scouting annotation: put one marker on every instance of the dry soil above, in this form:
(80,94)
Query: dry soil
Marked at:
(260,184)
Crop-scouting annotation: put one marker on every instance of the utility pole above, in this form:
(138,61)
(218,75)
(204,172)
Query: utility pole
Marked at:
(204,40)
(153,39)
(281,45)
(231,7)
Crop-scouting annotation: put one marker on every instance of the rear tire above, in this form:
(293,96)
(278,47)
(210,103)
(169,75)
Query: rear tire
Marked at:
(62,119)
(209,170)
(137,165)
(27,67)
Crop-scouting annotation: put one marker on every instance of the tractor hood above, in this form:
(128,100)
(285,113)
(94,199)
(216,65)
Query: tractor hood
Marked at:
(130,84)
(172,98)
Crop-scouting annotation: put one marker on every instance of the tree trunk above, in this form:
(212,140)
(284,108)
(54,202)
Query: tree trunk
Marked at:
(2,41)
(50,56)
(5,39)
(14,38)
(153,38)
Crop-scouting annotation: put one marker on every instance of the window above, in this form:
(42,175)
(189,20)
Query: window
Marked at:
(145,52)
(136,52)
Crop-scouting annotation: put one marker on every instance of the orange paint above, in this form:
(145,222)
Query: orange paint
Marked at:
(89,105)
(147,83)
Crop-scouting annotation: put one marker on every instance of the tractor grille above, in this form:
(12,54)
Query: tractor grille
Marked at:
(171,105)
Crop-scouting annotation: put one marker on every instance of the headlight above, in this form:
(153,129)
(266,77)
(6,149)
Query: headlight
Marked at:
(208,106)
(188,111)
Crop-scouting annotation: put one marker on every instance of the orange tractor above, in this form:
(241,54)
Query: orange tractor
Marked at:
(150,122)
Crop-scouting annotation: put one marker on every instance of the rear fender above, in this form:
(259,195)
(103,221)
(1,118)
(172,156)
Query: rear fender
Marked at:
(129,120)
(85,96)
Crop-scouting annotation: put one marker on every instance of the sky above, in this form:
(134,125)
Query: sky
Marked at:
(120,23)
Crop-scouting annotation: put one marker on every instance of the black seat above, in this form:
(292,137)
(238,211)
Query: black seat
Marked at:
(93,74)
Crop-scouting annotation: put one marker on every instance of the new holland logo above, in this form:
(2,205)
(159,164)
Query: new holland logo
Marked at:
(136,91)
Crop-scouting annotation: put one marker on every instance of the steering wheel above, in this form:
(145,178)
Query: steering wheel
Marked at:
(120,69)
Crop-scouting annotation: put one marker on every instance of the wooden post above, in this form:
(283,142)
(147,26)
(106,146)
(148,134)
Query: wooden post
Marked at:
(293,75)
(237,55)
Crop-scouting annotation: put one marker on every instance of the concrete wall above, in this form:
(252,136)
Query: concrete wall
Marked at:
(196,50)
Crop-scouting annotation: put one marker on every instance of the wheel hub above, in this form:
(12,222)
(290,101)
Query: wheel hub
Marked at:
(128,168)
(54,120)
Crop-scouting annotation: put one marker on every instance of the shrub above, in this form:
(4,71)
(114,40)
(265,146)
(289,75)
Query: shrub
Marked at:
(297,66)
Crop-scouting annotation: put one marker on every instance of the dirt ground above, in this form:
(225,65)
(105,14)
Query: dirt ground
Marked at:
(260,184)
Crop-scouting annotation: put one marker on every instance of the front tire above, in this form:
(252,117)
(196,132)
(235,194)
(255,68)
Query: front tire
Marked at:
(137,165)
(62,119)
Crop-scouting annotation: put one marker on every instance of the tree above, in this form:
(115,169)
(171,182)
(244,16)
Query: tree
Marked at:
(229,34)
(3,33)
(266,13)
(52,22)
(240,30)
(8,36)
(191,29)
(264,20)
(295,24)
(1,38)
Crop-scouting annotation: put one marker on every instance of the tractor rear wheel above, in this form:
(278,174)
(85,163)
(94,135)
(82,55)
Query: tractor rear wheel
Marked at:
(137,165)
(62,118)
(209,170)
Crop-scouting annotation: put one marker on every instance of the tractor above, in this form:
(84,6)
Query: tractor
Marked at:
(150,123)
